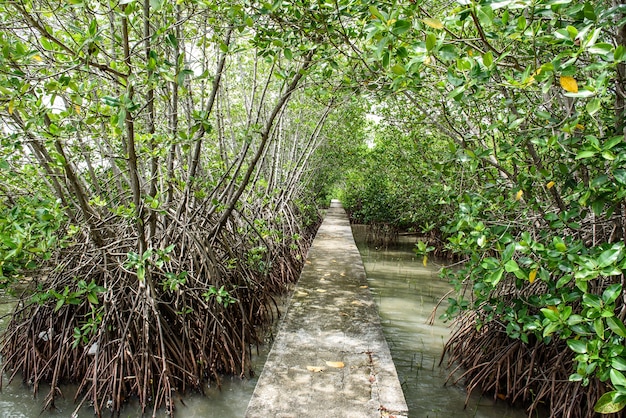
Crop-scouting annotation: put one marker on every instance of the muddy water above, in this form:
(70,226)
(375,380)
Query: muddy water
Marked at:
(406,293)
(16,399)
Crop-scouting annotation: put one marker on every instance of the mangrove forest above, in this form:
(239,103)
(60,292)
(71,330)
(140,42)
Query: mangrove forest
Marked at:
(164,166)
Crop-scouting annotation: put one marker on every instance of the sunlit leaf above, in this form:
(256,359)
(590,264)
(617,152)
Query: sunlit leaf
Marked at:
(607,405)
(577,346)
(433,23)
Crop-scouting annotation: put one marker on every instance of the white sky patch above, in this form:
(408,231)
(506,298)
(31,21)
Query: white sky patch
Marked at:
(373,120)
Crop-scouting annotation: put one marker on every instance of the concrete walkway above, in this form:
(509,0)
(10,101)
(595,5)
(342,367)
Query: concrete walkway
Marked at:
(330,358)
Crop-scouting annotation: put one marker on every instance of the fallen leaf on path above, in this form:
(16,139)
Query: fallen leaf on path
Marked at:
(342,274)
(335,364)
(321,290)
(363,287)
(315,369)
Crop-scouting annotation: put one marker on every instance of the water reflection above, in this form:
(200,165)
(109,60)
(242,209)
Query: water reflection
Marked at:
(406,293)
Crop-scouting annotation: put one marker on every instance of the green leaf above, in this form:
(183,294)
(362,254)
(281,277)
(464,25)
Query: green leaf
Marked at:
(511,266)
(375,12)
(92,298)
(585,154)
(616,325)
(620,175)
(431,41)
(601,49)
(618,363)
(593,106)
(398,69)
(617,378)
(611,293)
(592,301)
(610,256)
(495,277)
(550,314)
(288,54)
(59,305)
(488,59)
(400,27)
(598,326)
(577,346)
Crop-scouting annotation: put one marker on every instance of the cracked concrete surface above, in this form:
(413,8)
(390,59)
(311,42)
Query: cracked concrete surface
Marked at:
(330,358)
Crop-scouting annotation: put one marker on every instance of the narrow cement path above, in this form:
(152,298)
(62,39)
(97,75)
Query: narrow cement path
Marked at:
(330,358)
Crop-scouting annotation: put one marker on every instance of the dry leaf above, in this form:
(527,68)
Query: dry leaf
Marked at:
(532,276)
(335,364)
(433,23)
(425,260)
(569,84)
(315,369)
(363,287)
(321,290)
(550,185)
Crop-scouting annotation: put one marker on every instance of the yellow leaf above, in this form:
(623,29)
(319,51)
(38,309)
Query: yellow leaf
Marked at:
(37,58)
(11,107)
(519,194)
(580,127)
(77,109)
(569,84)
(363,287)
(433,23)
(335,364)
(554,309)
(532,276)
(550,185)
(427,61)
(425,260)
(315,369)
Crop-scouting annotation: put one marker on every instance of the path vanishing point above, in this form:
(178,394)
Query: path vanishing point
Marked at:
(330,358)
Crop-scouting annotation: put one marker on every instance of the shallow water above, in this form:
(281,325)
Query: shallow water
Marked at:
(16,399)
(406,293)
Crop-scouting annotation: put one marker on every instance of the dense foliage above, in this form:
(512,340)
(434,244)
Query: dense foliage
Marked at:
(529,98)
(177,149)
(160,166)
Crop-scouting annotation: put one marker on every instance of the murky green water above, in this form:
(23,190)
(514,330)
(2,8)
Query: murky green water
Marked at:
(16,399)
(406,293)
